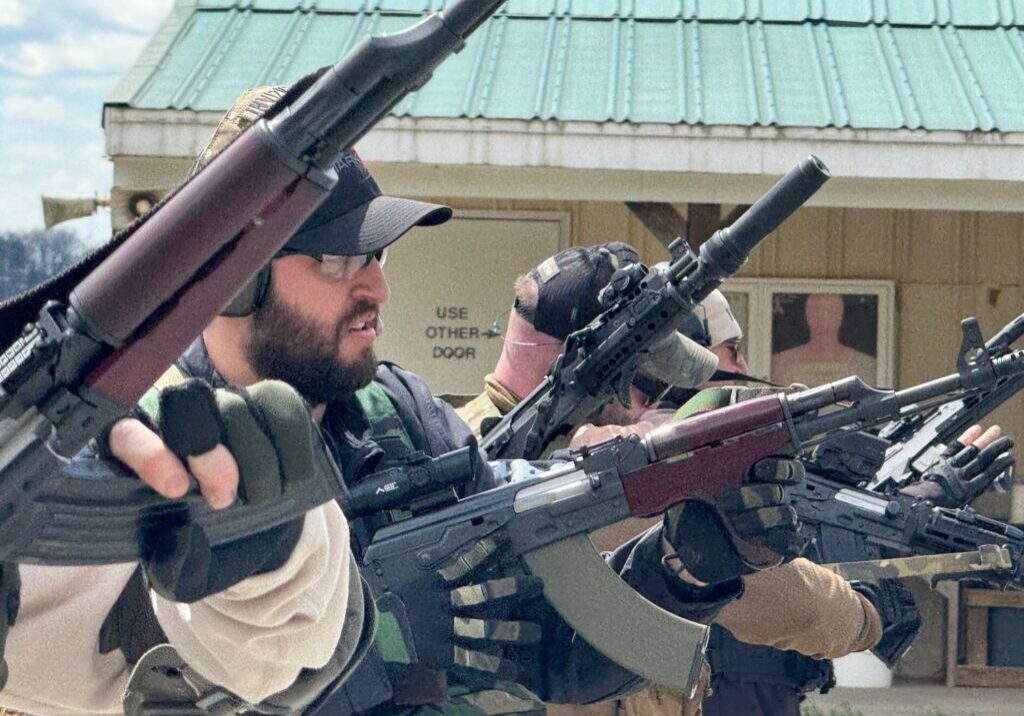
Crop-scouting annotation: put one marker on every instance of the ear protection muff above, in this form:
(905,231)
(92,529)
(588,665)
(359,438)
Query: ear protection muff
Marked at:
(250,297)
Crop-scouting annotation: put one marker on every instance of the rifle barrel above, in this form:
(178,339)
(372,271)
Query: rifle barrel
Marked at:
(728,249)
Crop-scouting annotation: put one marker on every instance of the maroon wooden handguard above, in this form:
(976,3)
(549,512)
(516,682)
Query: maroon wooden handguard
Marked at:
(174,275)
(706,456)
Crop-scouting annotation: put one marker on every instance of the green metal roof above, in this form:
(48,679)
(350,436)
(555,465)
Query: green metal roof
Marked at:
(936,64)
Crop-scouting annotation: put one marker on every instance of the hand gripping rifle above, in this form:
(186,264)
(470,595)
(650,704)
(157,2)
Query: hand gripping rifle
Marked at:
(863,535)
(869,526)
(86,358)
(600,360)
(918,440)
(544,520)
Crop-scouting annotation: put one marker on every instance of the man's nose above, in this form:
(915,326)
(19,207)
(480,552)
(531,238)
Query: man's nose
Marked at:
(370,284)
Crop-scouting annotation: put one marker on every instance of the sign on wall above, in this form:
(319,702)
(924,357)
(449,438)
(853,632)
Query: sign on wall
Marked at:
(816,331)
(452,288)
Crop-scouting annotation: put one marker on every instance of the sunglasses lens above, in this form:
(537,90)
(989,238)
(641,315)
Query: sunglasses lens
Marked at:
(347,267)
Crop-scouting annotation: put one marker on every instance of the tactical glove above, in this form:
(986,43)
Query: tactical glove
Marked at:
(269,432)
(10,594)
(963,473)
(482,601)
(901,620)
(759,511)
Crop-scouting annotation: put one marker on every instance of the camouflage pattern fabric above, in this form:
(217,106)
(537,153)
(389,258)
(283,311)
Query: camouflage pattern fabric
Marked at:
(468,694)
(245,112)
(476,699)
(476,411)
(988,558)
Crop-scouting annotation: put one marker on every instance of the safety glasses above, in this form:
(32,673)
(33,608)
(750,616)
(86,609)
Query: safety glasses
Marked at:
(346,267)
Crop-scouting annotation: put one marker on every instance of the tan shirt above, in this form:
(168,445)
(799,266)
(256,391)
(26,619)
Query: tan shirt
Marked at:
(253,638)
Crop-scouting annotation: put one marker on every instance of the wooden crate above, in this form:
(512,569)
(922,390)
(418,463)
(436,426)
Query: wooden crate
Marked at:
(974,670)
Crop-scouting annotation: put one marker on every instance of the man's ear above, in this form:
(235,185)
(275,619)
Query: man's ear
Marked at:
(250,297)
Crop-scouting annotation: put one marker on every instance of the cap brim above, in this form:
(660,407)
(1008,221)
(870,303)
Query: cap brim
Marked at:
(369,227)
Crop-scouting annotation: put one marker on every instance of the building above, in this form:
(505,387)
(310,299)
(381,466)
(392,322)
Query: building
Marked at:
(579,121)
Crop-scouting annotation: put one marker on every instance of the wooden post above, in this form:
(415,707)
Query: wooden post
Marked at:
(660,218)
(703,221)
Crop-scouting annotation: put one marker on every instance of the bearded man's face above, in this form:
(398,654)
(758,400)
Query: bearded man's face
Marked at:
(317,334)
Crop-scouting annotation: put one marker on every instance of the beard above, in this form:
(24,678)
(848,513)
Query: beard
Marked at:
(286,345)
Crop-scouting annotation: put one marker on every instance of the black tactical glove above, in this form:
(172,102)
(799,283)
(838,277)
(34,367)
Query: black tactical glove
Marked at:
(269,432)
(901,620)
(482,601)
(10,597)
(964,472)
(759,511)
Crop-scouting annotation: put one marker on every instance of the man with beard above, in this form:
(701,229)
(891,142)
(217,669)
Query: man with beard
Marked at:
(276,617)
(310,318)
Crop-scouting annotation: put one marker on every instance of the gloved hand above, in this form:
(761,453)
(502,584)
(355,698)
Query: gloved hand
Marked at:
(482,603)
(758,511)
(901,619)
(10,597)
(268,431)
(966,470)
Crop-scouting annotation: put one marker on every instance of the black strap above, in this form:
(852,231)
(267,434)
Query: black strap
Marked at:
(728,375)
(131,624)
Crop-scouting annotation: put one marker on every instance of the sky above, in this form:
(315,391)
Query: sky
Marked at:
(59,59)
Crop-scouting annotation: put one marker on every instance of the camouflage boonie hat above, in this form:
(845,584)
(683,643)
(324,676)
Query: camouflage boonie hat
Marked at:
(356,217)
(245,112)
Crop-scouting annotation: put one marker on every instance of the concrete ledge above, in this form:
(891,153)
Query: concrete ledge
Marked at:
(915,700)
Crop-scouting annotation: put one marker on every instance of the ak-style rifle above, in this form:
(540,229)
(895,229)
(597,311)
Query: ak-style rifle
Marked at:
(643,306)
(100,335)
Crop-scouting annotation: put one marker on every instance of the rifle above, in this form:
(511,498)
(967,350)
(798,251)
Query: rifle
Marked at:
(643,306)
(847,523)
(863,535)
(544,519)
(85,359)
(918,440)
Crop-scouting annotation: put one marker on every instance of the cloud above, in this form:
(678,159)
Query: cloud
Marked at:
(13,13)
(89,53)
(46,109)
(62,182)
(35,151)
(93,149)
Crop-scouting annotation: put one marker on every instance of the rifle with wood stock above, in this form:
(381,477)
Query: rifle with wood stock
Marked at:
(542,519)
(98,336)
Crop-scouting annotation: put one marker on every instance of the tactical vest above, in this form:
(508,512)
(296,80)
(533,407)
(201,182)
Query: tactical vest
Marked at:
(389,441)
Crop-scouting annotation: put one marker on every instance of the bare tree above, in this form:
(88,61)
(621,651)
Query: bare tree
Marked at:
(26,258)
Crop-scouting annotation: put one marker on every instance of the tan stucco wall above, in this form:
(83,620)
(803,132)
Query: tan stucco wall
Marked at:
(946,266)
